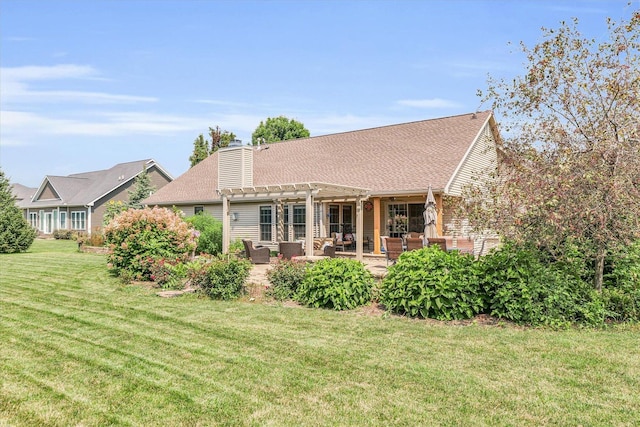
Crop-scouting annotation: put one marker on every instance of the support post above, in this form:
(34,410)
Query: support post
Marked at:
(308,226)
(359,228)
(226,225)
(376,226)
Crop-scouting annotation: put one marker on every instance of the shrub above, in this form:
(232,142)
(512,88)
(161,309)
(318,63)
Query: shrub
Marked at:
(16,234)
(63,235)
(433,283)
(336,283)
(621,289)
(524,289)
(285,278)
(210,229)
(168,274)
(220,278)
(136,235)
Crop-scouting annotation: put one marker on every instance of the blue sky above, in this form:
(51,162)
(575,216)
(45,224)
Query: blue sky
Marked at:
(88,84)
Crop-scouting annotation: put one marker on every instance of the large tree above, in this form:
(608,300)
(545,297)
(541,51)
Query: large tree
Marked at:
(16,235)
(570,170)
(203,148)
(278,129)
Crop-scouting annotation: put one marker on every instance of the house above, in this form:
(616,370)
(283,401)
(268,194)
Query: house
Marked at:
(373,182)
(78,201)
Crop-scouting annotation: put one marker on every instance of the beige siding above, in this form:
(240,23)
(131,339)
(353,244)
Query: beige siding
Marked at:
(481,158)
(48,193)
(235,167)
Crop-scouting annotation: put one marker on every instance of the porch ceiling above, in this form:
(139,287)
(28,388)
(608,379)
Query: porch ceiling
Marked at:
(296,191)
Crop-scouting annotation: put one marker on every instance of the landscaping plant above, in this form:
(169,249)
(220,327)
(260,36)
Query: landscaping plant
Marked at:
(16,234)
(210,237)
(285,277)
(337,283)
(433,283)
(220,277)
(136,235)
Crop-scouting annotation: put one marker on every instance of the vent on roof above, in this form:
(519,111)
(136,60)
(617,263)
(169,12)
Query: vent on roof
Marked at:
(235,143)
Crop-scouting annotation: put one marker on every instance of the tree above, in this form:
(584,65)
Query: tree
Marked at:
(200,150)
(142,188)
(203,148)
(278,129)
(570,170)
(16,234)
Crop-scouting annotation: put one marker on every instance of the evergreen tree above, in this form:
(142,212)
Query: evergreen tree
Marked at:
(200,150)
(142,188)
(16,234)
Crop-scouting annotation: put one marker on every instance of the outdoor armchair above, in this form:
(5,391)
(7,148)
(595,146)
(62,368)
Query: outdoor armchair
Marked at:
(289,250)
(258,254)
(394,248)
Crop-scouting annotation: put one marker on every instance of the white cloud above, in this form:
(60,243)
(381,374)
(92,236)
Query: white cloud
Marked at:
(428,103)
(16,88)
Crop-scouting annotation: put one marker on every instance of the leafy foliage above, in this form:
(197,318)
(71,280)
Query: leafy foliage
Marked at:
(16,234)
(142,188)
(621,291)
(571,162)
(210,229)
(523,288)
(220,278)
(203,148)
(336,283)
(137,235)
(432,283)
(112,209)
(278,129)
(167,273)
(285,277)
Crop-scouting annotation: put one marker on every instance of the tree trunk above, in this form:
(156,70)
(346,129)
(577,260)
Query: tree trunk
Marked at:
(599,273)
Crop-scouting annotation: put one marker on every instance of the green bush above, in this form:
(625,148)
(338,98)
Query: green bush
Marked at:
(433,283)
(285,277)
(168,274)
(210,233)
(524,289)
(137,235)
(16,234)
(64,235)
(336,283)
(220,278)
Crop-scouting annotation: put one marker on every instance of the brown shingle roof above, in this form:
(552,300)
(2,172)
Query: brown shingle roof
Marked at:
(390,159)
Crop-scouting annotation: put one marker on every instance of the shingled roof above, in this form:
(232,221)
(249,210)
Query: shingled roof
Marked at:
(82,189)
(395,159)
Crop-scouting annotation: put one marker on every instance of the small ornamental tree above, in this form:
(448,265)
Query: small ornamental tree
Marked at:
(278,129)
(137,237)
(16,235)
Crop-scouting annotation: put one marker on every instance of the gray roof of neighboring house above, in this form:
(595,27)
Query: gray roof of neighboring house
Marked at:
(22,192)
(81,189)
(397,158)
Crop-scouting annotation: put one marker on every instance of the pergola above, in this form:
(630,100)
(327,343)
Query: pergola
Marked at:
(310,192)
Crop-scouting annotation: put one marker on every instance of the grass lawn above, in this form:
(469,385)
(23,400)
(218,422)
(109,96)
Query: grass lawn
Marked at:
(79,348)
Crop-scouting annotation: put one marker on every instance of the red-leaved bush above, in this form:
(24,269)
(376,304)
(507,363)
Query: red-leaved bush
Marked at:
(137,235)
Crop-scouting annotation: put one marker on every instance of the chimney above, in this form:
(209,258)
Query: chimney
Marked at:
(235,165)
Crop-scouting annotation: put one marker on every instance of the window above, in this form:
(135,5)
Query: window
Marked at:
(265,224)
(198,210)
(397,221)
(334,219)
(347,219)
(33,219)
(299,217)
(63,220)
(78,220)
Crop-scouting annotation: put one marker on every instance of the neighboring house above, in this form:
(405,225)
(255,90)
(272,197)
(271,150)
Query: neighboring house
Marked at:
(373,182)
(78,202)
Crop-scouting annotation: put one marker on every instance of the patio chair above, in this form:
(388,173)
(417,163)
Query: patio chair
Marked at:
(414,243)
(338,243)
(289,250)
(258,254)
(439,241)
(329,251)
(394,248)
